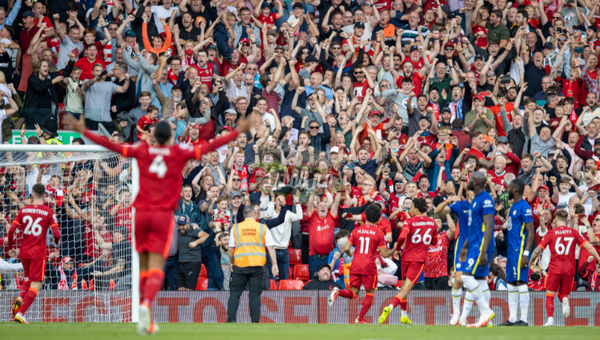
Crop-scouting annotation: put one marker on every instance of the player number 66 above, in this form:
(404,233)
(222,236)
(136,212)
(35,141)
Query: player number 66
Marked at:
(426,237)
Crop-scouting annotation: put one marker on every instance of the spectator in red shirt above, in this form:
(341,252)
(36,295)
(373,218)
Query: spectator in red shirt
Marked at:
(87,64)
(149,118)
(436,264)
(321,221)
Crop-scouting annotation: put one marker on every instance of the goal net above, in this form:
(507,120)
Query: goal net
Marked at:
(89,275)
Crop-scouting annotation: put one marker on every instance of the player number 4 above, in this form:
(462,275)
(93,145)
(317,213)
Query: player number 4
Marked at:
(364,245)
(158,166)
(33,227)
(417,238)
(560,248)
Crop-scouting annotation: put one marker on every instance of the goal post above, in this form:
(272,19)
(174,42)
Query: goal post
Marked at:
(95,175)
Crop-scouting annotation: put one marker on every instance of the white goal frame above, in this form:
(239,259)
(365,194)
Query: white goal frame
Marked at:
(135,259)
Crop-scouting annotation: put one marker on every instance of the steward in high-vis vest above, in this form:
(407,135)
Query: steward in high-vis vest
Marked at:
(248,243)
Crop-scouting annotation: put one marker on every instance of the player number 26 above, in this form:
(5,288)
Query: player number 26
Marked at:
(158,166)
(33,227)
(417,238)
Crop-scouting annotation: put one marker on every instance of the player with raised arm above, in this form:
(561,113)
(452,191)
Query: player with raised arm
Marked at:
(418,232)
(520,240)
(477,247)
(160,167)
(366,239)
(36,218)
(561,272)
(459,207)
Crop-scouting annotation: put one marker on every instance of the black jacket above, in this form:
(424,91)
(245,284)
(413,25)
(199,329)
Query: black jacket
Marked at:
(123,101)
(41,101)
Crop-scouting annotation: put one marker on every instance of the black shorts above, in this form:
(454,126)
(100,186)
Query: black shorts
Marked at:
(187,276)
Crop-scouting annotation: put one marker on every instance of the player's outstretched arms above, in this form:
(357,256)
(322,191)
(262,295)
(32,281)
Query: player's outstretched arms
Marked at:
(78,125)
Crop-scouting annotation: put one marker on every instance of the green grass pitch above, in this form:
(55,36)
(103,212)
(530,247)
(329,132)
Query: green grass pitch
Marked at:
(179,331)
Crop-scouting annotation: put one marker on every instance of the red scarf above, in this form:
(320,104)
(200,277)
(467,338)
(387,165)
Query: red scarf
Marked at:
(172,78)
(243,173)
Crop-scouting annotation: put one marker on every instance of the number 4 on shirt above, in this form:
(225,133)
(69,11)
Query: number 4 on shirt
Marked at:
(158,166)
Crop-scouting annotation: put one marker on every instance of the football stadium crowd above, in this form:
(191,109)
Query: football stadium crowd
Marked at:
(355,102)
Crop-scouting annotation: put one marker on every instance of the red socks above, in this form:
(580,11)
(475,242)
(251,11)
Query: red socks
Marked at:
(154,283)
(24,289)
(366,305)
(396,301)
(550,305)
(347,293)
(143,278)
(28,300)
(403,305)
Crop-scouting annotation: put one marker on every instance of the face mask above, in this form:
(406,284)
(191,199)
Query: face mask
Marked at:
(395,150)
(189,52)
(342,242)
(452,281)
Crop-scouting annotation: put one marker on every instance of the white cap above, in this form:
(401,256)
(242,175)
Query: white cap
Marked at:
(334,149)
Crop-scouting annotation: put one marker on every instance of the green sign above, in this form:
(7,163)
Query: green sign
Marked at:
(66,137)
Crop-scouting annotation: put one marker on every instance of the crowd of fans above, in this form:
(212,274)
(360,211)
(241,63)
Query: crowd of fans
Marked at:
(355,103)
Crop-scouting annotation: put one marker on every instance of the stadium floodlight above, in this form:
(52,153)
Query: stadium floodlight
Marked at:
(85,184)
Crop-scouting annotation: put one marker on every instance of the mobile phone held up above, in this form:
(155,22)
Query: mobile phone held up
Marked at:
(505,80)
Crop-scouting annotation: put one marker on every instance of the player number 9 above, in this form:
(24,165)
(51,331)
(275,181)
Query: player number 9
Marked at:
(471,262)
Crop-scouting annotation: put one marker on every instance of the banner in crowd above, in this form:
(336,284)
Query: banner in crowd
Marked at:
(424,307)
(66,137)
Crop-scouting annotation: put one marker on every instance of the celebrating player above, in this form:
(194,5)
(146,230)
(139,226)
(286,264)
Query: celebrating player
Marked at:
(520,240)
(460,208)
(160,167)
(366,239)
(419,232)
(36,218)
(476,249)
(561,271)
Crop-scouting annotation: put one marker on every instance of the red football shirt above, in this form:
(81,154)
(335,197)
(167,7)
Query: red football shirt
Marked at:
(360,89)
(562,241)
(366,239)
(436,264)
(35,219)
(321,233)
(205,74)
(160,168)
(143,122)
(419,232)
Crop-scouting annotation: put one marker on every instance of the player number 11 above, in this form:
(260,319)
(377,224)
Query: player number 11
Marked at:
(364,245)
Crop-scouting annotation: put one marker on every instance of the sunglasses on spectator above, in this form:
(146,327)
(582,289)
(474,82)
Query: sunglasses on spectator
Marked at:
(368,5)
(236,179)
(314,127)
(357,73)
(562,39)
(336,47)
(449,48)
(556,17)
(305,52)
(491,75)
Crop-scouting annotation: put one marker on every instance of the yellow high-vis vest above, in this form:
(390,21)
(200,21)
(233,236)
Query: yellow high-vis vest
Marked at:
(250,250)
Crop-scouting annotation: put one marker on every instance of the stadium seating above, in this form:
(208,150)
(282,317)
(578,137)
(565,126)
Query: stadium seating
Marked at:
(291,285)
(291,272)
(301,272)
(295,256)
(273,285)
(202,283)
